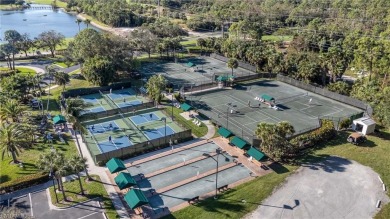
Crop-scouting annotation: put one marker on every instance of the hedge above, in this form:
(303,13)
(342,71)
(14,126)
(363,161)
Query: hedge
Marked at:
(325,132)
(24,182)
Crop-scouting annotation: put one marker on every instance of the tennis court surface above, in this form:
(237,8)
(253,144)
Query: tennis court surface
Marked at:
(115,132)
(101,102)
(239,111)
(196,71)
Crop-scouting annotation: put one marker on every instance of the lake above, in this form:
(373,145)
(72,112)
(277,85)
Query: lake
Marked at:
(35,21)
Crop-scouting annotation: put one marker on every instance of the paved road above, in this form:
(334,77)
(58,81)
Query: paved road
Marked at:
(36,205)
(334,188)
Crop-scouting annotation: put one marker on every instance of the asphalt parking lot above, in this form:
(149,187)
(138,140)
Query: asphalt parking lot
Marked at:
(35,205)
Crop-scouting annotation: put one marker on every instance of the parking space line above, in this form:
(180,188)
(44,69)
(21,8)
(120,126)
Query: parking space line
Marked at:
(32,214)
(88,215)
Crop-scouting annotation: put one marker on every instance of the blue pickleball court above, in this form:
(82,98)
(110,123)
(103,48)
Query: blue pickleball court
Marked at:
(116,143)
(120,94)
(129,104)
(158,133)
(144,118)
(102,127)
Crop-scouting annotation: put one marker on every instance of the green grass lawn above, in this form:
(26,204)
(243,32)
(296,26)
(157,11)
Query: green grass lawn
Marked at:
(198,131)
(93,189)
(22,70)
(10,172)
(230,205)
(375,153)
(188,43)
(48,2)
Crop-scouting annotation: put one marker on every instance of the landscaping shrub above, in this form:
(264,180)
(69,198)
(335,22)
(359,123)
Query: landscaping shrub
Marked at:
(345,123)
(324,133)
(24,182)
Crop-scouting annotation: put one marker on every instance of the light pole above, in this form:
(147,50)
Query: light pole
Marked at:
(165,125)
(218,151)
(227,115)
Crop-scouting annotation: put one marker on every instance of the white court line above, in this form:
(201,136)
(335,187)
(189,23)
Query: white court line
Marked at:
(32,214)
(88,215)
(100,104)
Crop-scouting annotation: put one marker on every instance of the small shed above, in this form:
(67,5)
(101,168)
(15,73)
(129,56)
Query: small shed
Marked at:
(365,125)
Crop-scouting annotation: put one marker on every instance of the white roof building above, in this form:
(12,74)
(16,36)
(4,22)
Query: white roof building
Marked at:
(365,125)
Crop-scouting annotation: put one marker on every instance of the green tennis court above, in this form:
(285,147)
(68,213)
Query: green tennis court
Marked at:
(240,109)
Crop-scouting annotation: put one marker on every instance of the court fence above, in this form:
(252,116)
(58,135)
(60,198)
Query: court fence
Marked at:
(116,111)
(326,93)
(241,64)
(93,90)
(140,148)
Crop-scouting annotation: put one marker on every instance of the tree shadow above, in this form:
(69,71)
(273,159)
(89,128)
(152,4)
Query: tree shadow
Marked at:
(4,178)
(326,163)
(278,168)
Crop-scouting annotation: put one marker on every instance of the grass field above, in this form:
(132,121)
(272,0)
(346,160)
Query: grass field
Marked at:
(276,38)
(48,2)
(10,172)
(93,189)
(22,70)
(198,131)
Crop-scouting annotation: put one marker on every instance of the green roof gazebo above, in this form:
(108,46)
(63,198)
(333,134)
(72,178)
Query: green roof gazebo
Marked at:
(115,165)
(185,107)
(222,78)
(267,97)
(135,198)
(190,64)
(238,142)
(124,180)
(224,132)
(255,154)
(59,119)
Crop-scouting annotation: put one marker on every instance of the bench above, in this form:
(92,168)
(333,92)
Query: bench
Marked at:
(223,188)
(193,200)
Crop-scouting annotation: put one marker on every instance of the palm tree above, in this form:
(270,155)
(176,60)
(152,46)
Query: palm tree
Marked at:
(61,78)
(87,22)
(284,129)
(78,21)
(76,165)
(266,132)
(74,106)
(12,140)
(11,109)
(55,163)
(155,85)
(233,64)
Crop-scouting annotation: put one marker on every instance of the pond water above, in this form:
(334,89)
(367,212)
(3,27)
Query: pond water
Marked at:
(40,18)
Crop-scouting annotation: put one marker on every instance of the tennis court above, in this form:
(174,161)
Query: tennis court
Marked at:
(125,132)
(97,103)
(239,111)
(196,71)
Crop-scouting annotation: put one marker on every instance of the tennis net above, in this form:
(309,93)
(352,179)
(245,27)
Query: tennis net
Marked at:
(108,100)
(291,98)
(125,120)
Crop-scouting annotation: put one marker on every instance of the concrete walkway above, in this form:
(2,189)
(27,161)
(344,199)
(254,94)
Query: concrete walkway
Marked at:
(100,171)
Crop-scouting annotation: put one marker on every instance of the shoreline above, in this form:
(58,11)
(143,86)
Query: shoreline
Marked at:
(119,31)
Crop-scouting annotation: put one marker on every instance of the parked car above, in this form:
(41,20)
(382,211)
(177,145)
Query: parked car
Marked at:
(356,138)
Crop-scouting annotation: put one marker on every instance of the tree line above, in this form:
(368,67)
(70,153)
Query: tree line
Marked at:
(17,43)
